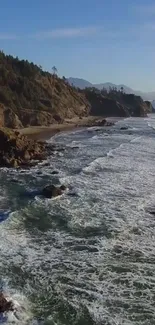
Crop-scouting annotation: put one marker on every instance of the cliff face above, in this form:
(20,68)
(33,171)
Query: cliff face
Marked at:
(101,105)
(115,103)
(30,96)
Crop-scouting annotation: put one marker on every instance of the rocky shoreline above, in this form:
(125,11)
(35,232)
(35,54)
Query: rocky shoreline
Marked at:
(18,150)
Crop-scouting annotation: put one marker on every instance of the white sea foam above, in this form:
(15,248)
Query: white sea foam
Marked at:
(95,247)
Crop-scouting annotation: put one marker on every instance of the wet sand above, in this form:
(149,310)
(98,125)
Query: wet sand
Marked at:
(46,132)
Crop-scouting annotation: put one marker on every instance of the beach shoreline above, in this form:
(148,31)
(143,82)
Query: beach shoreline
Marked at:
(46,132)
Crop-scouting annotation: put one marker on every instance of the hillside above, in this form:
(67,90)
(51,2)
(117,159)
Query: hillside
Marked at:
(30,96)
(82,84)
(116,103)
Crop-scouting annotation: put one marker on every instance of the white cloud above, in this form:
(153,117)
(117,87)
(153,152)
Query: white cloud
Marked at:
(145,9)
(68,32)
(7,36)
(138,30)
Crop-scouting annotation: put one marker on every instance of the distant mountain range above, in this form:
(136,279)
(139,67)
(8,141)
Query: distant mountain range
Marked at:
(81,83)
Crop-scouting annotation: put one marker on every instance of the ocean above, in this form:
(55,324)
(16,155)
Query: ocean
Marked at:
(87,257)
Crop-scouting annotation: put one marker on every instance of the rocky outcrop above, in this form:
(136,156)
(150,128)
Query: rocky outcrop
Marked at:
(5,305)
(101,105)
(35,118)
(17,150)
(98,122)
(9,118)
(53,191)
(149,106)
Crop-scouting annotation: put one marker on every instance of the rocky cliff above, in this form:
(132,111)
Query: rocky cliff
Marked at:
(101,105)
(115,103)
(30,96)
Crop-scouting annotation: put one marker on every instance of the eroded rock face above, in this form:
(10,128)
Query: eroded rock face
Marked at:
(53,191)
(5,305)
(17,150)
(11,119)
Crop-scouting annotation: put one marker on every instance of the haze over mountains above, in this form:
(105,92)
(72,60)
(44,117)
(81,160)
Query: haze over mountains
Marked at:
(81,83)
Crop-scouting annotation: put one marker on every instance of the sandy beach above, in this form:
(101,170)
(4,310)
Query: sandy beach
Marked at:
(45,132)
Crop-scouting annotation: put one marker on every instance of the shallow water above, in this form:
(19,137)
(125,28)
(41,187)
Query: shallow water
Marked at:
(87,257)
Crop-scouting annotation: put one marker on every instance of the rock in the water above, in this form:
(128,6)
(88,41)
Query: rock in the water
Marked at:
(98,130)
(76,147)
(55,172)
(5,305)
(63,187)
(99,122)
(52,191)
(14,181)
(39,172)
(124,128)
(102,122)
(152,212)
(72,194)
(46,164)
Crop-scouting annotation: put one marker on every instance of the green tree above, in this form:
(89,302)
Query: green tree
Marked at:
(54,70)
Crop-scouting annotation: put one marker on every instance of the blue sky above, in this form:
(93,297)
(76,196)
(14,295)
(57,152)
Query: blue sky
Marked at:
(98,40)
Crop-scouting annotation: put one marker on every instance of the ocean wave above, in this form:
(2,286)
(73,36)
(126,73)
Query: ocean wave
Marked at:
(89,256)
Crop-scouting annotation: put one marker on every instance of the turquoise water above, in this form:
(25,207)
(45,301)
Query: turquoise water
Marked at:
(87,257)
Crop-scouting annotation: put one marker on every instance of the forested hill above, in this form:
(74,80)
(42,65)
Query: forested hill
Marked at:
(31,96)
(115,102)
